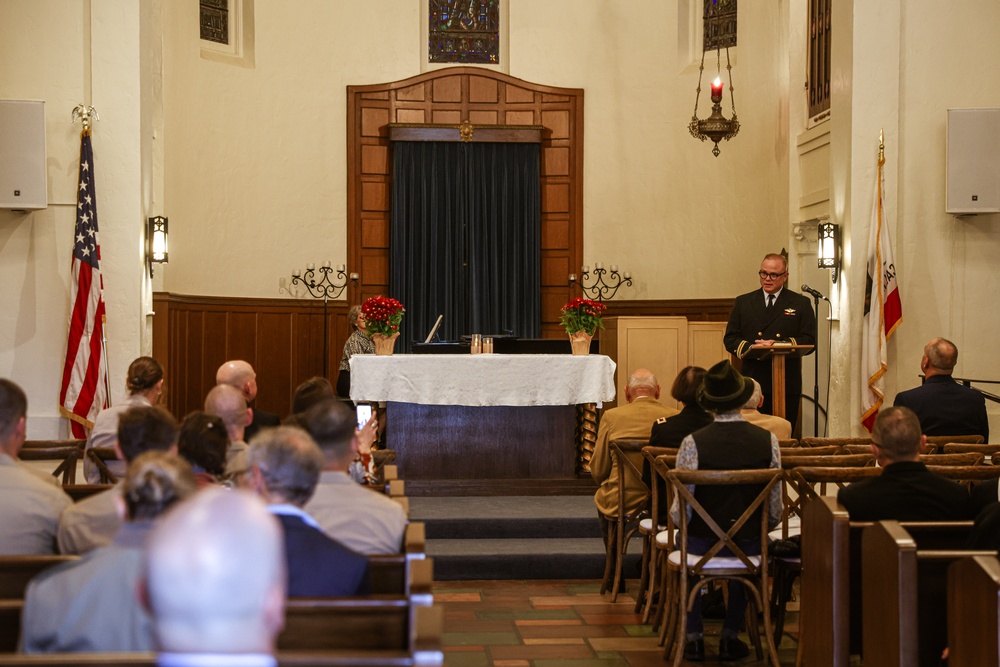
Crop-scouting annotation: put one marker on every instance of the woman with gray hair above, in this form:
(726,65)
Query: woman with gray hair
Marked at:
(90,605)
(359,342)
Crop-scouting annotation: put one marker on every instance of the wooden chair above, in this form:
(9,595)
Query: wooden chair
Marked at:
(941,460)
(67,452)
(99,456)
(748,571)
(942,440)
(789,444)
(974,612)
(829,461)
(624,525)
(17,571)
(839,442)
(80,491)
(826,450)
(382,458)
(963,448)
(967,475)
(903,596)
(650,527)
(866,449)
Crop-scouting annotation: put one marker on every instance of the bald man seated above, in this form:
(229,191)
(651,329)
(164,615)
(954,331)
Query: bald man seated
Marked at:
(779,426)
(230,405)
(285,465)
(943,406)
(205,611)
(635,419)
(241,376)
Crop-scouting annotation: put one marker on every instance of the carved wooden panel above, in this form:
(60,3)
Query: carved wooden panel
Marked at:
(483,97)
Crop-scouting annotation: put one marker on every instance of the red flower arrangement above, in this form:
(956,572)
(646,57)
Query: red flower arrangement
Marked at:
(382,315)
(582,315)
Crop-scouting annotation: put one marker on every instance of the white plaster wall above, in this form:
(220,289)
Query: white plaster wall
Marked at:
(903,80)
(255,158)
(66,53)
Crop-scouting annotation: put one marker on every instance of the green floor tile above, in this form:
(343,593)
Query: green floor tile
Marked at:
(476,659)
(614,661)
(538,615)
(640,630)
(480,639)
(583,589)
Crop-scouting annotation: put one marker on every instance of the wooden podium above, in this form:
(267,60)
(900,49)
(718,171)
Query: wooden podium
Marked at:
(778,352)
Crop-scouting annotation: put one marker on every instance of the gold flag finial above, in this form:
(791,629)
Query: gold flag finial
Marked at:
(881,146)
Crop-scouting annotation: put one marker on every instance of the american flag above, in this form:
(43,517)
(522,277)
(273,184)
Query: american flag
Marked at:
(84,390)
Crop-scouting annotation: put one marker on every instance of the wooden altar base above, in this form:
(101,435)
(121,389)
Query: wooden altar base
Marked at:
(578,486)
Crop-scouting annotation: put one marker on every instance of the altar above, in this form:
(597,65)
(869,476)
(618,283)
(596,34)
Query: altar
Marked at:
(485,416)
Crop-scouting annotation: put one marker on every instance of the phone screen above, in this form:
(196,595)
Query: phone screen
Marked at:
(364,414)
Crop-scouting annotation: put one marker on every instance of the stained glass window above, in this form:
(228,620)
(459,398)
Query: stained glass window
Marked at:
(214,20)
(464,31)
(720,24)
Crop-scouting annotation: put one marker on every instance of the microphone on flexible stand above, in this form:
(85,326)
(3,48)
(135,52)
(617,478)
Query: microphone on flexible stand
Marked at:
(814,293)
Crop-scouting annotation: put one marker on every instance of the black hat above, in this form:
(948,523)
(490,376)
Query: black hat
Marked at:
(724,389)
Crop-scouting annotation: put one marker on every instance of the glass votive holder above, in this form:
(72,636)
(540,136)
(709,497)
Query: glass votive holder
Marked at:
(476,345)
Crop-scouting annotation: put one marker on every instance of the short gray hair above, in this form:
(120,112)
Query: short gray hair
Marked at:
(754,401)
(289,462)
(642,379)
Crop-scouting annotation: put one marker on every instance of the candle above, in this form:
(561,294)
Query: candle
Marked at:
(614,268)
(628,275)
(341,267)
(572,277)
(599,265)
(717,88)
(354,276)
(310,266)
(295,273)
(586,268)
(326,264)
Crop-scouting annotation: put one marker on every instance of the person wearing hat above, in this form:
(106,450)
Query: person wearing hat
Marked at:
(728,443)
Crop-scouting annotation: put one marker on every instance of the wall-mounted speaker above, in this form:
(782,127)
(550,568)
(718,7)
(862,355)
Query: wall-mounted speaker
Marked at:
(973,162)
(22,155)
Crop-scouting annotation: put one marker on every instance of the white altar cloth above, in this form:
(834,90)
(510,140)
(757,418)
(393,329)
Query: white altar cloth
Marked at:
(483,379)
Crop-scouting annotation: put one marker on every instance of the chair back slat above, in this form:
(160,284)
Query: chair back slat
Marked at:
(964,448)
(98,456)
(942,440)
(67,452)
(829,461)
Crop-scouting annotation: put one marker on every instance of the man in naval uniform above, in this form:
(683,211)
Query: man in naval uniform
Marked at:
(768,316)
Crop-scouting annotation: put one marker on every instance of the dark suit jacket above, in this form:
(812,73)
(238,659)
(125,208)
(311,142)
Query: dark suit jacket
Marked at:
(791,319)
(669,433)
(261,420)
(946,407)
(906,491)
(319,566)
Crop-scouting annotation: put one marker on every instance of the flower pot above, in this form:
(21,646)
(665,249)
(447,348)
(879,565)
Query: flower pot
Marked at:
(384,344)
(580,341)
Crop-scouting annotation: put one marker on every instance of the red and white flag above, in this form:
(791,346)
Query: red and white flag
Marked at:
(84,390)
(883,308)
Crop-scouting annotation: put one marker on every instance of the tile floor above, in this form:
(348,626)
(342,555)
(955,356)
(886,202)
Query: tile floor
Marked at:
(557,623)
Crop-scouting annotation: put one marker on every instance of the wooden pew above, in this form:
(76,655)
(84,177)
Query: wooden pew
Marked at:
(67,452)
(830,615)
(285,659)
(974,612)
(904,602)
(17,571)
(387,626)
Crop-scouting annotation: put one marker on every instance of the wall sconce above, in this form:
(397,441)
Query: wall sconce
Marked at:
(828,250)
(156,242)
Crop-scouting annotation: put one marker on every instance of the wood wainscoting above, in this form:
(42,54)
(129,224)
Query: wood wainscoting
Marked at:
(283,340)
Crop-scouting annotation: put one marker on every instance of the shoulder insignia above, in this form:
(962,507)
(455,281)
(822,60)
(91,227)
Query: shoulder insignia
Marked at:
(661,420)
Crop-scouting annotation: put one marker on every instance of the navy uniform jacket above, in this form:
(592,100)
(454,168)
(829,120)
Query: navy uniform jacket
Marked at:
(791,319)
(945,407)
(319,566)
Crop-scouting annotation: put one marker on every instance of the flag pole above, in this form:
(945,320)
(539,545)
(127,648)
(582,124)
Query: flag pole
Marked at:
(107,360)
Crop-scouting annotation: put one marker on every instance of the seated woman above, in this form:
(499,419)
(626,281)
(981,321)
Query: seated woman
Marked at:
(203,443)
(357,343)
(90,605)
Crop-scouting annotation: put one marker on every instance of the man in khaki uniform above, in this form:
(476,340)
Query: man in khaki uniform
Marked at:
(781,428)
(633,420)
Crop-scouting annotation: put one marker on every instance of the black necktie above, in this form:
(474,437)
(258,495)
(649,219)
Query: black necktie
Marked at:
(770,301)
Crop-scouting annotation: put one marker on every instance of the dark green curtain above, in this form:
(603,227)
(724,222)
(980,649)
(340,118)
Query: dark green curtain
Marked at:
(466,227)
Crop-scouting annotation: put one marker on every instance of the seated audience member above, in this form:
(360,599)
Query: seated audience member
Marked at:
(203,442)
(728,443)
(309,393)
(985,533)
(241,376)
(215,581)
(230,406)
(943,406)
(670,431)
(285,465)
(361,519)
(632,420)
(93,522)
(984,494)
(906,490)
(90,605)
(31,506)
(779,426)
(359,342)
(145,387)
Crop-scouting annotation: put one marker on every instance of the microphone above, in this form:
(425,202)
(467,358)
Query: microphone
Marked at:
(815,293)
